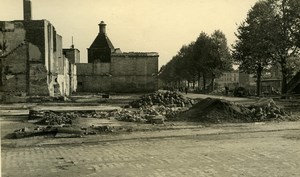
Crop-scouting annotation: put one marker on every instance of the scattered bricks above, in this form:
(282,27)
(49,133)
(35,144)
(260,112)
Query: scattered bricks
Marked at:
(146,114)
(130,116)
(266,109)
(170,99)
(63,117)
(161,104)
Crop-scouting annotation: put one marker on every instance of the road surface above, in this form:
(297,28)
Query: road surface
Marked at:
(256,150)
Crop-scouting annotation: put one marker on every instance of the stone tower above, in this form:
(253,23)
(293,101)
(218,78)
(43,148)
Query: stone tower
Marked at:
(102,48)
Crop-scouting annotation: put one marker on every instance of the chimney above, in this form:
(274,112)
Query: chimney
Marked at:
(102,28)
(27,9)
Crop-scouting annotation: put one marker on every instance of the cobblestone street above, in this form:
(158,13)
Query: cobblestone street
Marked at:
(249,153)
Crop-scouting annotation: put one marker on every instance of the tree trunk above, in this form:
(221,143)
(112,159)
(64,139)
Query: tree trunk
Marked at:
(1,83)
(199,81)
(284,72)
(258,81)
(213,83)
(194,80)
(204,82)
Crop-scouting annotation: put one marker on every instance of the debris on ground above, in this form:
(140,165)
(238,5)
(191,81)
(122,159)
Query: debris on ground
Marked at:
(55,131)
(214,111)
(170,99)
(61,131)
(221,111)
(63,117)
(266,109)
(153,114)
(155,108)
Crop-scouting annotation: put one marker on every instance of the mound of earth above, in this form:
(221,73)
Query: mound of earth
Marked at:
(221,111)
(215,111)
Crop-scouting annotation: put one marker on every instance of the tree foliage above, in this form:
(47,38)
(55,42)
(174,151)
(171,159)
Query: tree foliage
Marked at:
(207,57)
(285,32)
(269,35)
(252,49)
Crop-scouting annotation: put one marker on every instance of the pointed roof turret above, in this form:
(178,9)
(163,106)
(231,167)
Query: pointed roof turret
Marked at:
(102,41)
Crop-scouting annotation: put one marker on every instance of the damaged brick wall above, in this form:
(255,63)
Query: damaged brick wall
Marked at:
(38,80)
(12,34)
(14,72)
(93,77)
(32,59)
(135,71)
(129,72)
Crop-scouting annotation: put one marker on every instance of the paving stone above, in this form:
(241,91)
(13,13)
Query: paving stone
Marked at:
(247,154)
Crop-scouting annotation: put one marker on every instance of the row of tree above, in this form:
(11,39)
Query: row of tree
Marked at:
(206,58)
(269,36)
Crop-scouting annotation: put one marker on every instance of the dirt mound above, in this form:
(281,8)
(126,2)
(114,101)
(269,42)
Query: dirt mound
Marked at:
(215,111)
(222,111)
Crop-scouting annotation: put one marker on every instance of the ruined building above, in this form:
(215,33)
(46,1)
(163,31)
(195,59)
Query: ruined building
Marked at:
(33,63)
(111,70)
(31,59)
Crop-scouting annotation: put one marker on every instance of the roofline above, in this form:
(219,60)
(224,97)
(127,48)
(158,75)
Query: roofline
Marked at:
(71,49)
(142,54)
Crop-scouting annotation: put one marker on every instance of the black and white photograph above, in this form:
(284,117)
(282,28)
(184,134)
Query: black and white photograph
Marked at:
(150,88)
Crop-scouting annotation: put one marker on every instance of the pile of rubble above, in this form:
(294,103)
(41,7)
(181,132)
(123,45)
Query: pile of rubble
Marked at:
(153,114)
(52,117)
(221,111)
(266,109)
(59,118)
(170,99)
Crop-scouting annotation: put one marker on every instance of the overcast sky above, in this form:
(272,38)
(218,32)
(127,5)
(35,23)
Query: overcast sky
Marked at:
(161,26)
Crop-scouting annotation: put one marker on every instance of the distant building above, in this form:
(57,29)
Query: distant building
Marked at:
(271,80)
(72,54)
(229,79)
(111,70)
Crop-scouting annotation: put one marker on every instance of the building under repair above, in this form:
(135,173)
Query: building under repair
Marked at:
(111,70)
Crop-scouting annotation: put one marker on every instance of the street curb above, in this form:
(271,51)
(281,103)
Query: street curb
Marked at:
(142,138)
